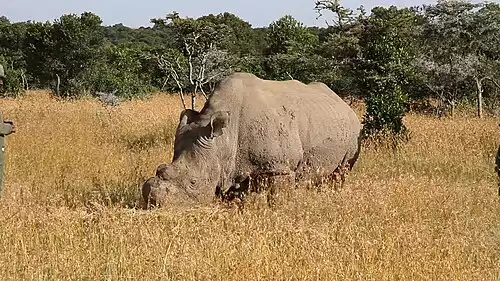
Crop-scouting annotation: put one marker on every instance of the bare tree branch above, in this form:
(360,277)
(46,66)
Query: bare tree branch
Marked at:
(491,80)
(165,64)
(198,62)
(204,94)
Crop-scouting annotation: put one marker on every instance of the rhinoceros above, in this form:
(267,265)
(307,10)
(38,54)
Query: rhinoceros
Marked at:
(280,131)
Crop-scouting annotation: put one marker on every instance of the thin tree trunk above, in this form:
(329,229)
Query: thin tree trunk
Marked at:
(23,80)
(58,84)
(203,92)
(164,84)
(181,94)
(479,98)
(183,100)
(193,101)
(193,97)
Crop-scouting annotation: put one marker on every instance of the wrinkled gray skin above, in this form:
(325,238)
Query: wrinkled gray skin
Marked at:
(252,128)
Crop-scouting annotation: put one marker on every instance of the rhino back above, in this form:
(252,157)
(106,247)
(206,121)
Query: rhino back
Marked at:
(275,126)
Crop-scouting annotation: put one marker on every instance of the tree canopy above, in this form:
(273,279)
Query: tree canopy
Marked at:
(389,57)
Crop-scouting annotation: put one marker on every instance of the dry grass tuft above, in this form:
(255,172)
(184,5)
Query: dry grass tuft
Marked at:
(427,211)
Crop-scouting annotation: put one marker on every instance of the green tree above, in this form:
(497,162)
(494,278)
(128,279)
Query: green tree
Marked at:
(461,42)
(373,56)
(239,36)
(124,71)
(63,50)
(342,17)
(387,43)
(77,42)
(289,36)
(339,43)
(38,53)
(290,51)
(11,55)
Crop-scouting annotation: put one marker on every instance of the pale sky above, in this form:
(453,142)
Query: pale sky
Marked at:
(138,13)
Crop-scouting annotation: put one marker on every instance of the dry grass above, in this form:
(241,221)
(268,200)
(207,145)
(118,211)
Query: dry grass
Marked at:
(429,211)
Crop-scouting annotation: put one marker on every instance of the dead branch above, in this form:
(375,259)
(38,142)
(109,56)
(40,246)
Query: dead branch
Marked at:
(491,80)
(172,72)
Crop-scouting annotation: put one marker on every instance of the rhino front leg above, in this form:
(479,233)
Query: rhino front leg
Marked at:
(275,183)
(237,191)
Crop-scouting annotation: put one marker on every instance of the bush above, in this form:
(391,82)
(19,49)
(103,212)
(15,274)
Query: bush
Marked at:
(386,106)
(122,71)
(13,82)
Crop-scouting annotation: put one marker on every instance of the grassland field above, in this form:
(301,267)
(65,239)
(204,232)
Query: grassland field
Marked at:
(70,205)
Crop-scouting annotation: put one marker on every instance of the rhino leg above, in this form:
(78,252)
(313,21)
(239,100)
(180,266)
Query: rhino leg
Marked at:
(339,175)
(318,164)
(238,189)
(270,182)
(326,165)
(273,183)
(237,192)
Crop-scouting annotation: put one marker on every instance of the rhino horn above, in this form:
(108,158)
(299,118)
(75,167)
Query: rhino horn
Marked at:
(153,192)
(166,172)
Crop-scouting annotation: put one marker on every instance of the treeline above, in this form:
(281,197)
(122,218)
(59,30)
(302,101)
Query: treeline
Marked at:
(449,50)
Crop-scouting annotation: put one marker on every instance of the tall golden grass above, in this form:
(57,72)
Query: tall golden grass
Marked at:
(73,175)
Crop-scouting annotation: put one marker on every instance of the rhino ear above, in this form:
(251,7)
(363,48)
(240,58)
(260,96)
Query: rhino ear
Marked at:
(218,121)
(187,116)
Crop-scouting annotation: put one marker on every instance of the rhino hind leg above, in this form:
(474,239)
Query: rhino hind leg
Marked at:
(342,171)
(338,177)
(326,166)
(269,182)
(317,168)
(353,156)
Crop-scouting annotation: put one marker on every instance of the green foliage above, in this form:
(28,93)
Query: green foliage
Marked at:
(289,36)
(251,64)
(387,45)
(340,44)
(13,78)
(461,45)
(155,37)
(11,44)
(38,47)
(200,59)
(299,67)
(124,72)
(194,36)
(291,52)
(389,57)
(385,108)
(343,17)
(239,37)
(77,41)
(64,49)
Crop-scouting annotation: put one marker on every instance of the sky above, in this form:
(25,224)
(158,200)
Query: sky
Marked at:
(138,13)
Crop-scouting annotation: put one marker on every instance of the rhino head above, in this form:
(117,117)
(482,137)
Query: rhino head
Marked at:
(195,170)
